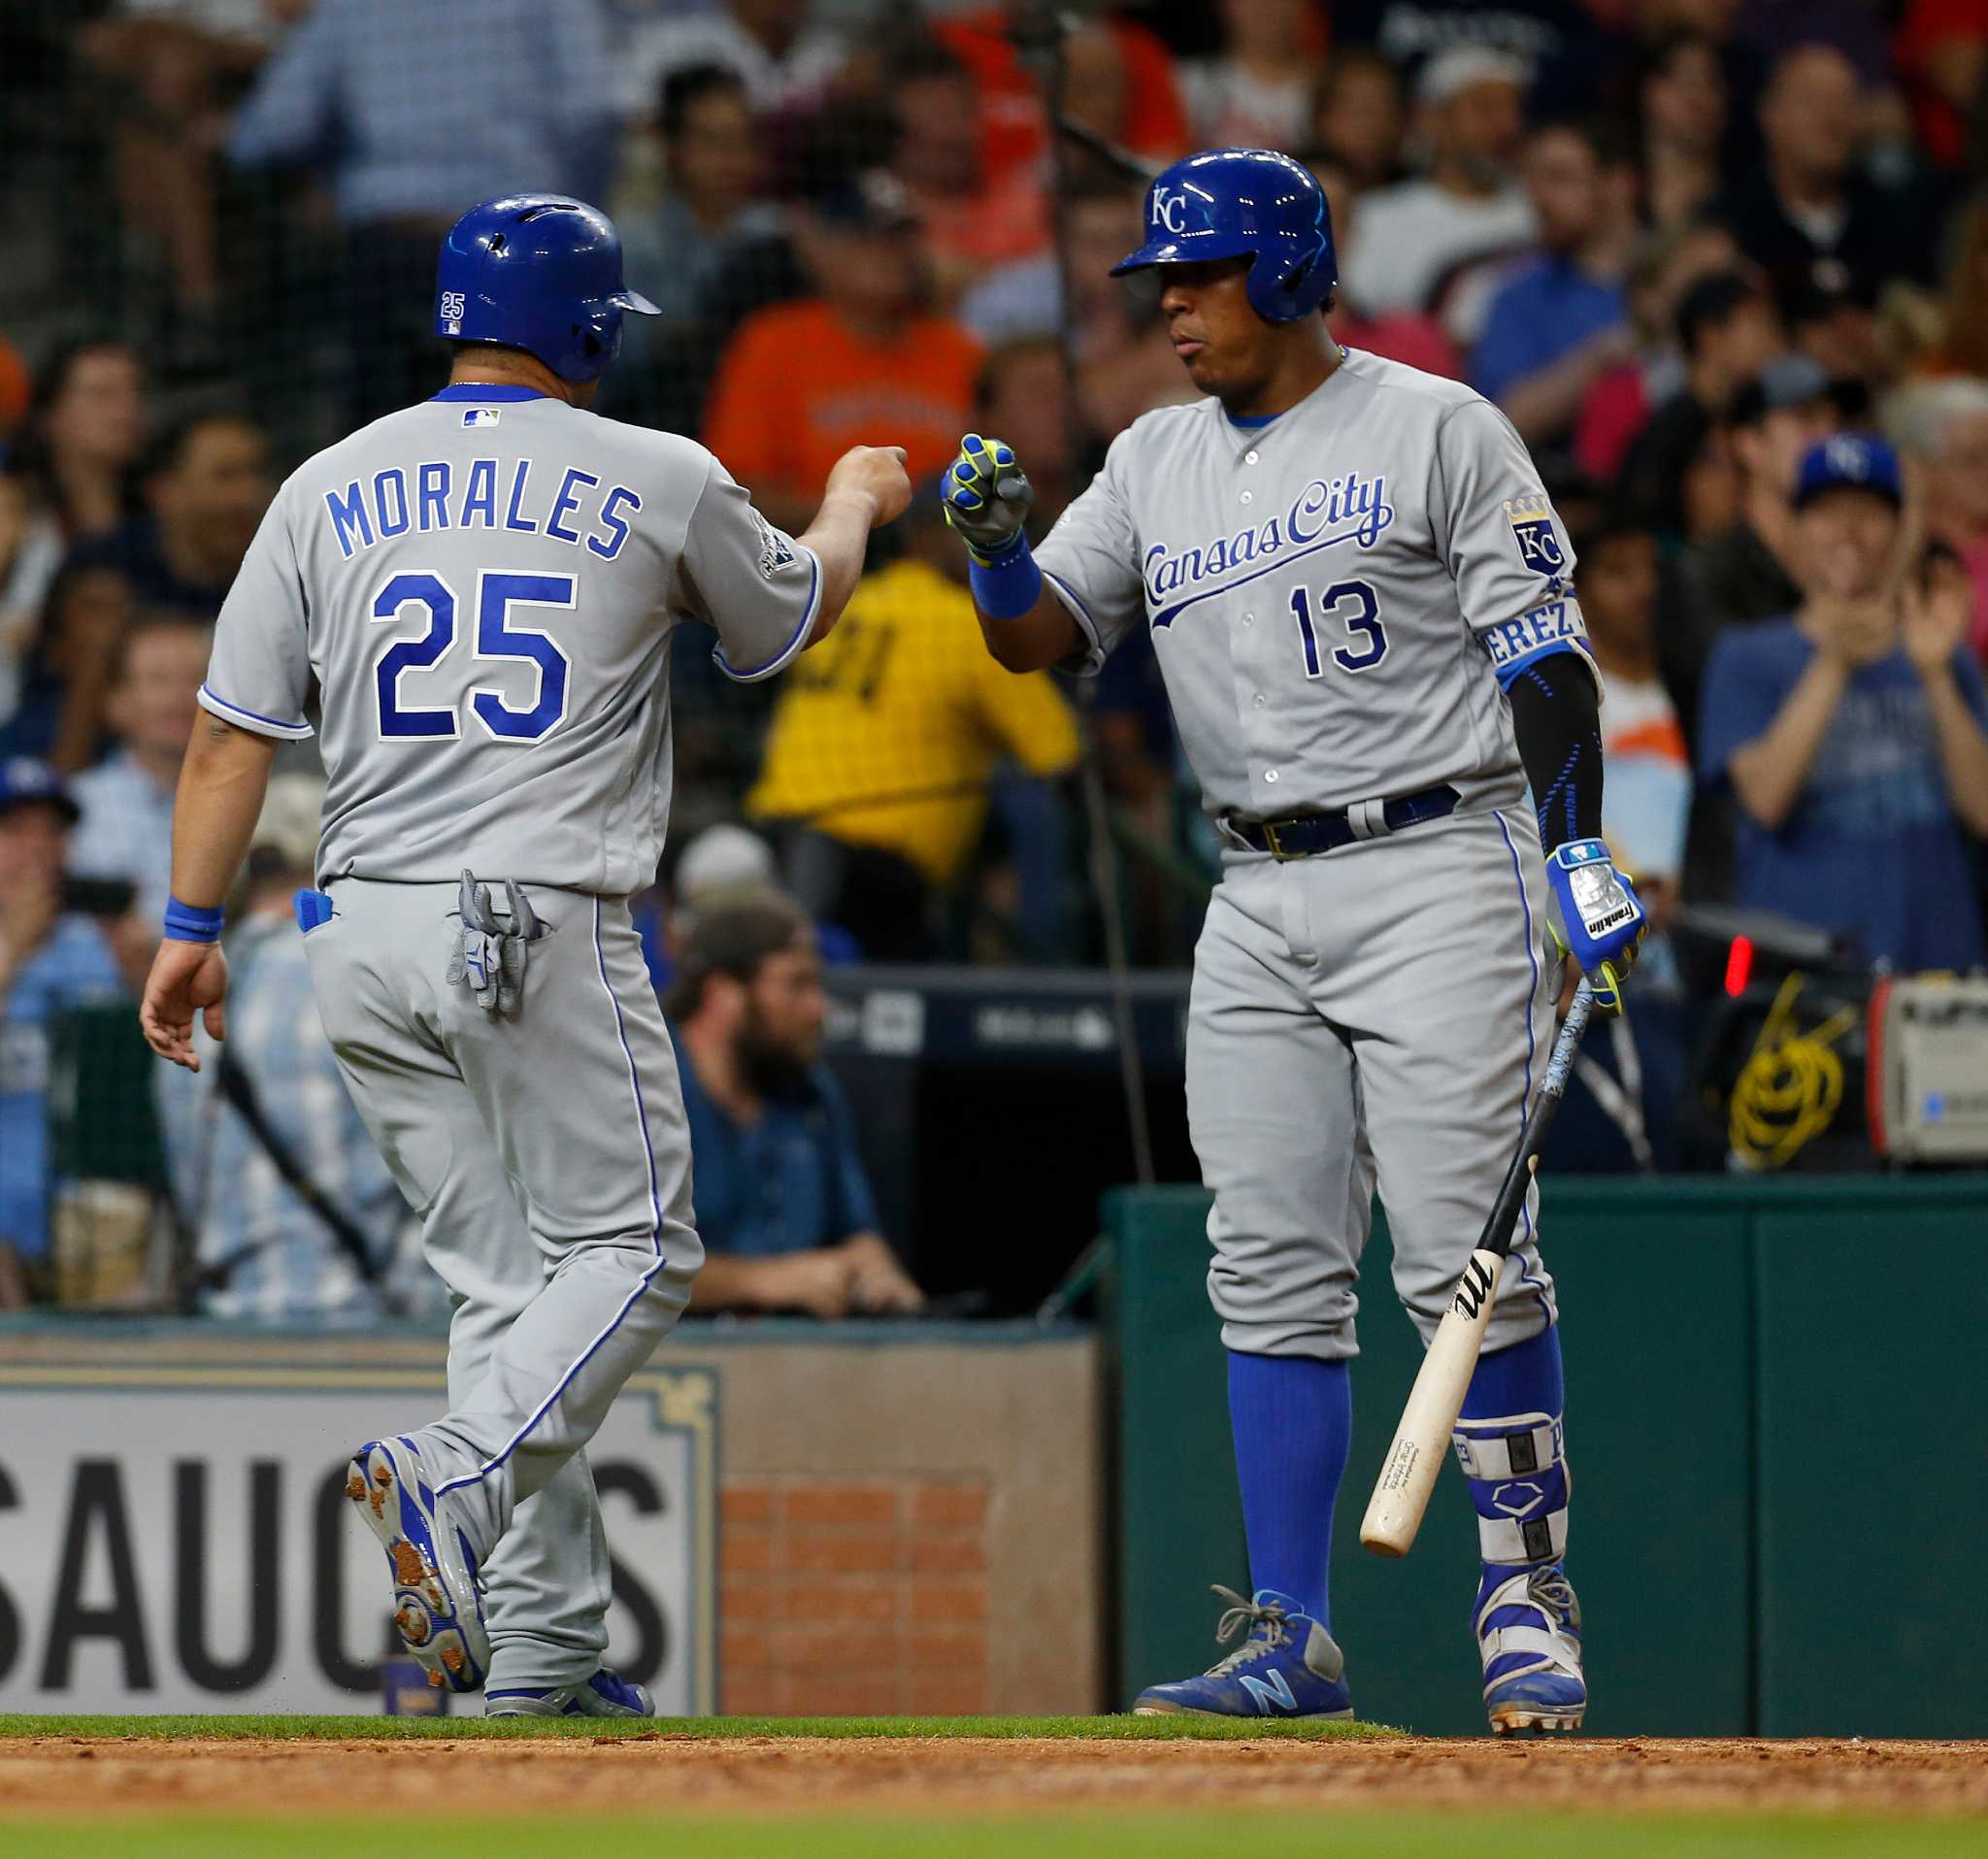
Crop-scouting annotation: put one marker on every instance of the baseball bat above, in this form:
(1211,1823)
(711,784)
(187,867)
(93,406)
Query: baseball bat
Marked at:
(1408,1474)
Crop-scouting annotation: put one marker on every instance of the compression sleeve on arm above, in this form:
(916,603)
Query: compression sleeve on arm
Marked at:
(1556,717)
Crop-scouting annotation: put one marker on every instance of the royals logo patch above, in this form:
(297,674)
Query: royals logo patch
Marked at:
(775,550)
(1539,543)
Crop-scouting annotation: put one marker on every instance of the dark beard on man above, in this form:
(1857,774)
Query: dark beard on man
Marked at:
(771,1069)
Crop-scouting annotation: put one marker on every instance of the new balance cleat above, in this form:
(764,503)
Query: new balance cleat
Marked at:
(1287,1667)
(1527,1629)
(438,1600)
(607,1694)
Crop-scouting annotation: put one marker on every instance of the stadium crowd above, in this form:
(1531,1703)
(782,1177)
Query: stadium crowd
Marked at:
(1724,264)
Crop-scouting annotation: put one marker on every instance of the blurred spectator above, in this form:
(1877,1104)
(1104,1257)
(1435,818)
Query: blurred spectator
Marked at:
(1118,78)
(1407,336)
(50,960)
(85,429)
(1680,107)
(1662,271)
(126,828)
(1100,213)
(1852,733)
(206,483)
(1942,56)
(783,60)
(1558,43)
(1257,92)
(181,63)
(1942,426)
(859,365)
(885,743)
(1741,69)
(1359,118)
(1646,800)
(1835,324)
(713,173)
(1023,395)
(17,389)
(415,110)
(1729,332)
(1418,237)
(1806,216)
(1559,322)
(1747,571)
(709,226)
(784,1207)
(269,1110)
(969,224)
(1961,346)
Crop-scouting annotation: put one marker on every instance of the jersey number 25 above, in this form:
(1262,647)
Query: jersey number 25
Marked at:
(1353,604)
(497,637)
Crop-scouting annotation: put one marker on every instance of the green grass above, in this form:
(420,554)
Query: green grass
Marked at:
(1124,1729)
(1025,1835)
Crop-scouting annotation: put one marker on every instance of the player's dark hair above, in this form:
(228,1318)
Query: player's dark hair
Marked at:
(1711,304)
(734,933)
(687,85)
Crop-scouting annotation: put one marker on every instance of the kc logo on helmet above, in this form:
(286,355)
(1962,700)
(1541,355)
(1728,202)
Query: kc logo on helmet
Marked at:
(1170,210)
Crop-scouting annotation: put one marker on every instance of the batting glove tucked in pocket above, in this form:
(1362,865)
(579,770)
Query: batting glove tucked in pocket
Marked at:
(986,497)
(1601,919)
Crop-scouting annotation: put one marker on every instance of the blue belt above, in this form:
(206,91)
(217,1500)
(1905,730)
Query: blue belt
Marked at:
(1313,832)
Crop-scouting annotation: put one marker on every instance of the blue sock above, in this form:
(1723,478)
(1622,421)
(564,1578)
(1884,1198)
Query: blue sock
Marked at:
(1512,1444)
(1292,1417)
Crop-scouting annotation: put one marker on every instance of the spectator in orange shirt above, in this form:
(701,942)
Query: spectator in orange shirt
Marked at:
(860,364)
(1149,117)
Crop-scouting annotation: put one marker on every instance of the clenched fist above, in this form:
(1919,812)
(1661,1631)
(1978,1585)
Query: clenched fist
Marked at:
(986,498)
(874,471)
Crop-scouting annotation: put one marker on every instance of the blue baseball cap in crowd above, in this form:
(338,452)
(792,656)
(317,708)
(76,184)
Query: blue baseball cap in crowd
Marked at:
(1849,461)
(23,780)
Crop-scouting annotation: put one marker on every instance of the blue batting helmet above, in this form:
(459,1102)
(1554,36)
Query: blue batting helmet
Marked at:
(1235,202)
(537,272)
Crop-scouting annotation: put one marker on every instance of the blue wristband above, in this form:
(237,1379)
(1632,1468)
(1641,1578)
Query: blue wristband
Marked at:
(1009,585)
(188,923)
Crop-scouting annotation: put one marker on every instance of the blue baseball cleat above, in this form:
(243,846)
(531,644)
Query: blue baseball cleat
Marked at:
(607,1694)
(1527,1629)
(438,1601)
(1288,1667)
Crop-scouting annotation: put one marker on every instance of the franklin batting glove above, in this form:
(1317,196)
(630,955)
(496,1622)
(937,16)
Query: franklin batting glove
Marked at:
(986,498)
(1601,919)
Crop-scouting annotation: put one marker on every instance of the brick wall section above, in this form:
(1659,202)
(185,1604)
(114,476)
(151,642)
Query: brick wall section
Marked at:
(864,1599)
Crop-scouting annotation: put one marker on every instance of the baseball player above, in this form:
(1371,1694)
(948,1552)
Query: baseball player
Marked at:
(484,588)
(1363,606)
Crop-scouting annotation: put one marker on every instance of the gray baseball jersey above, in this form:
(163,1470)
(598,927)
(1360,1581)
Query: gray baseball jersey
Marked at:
(1332,595)
(484,587)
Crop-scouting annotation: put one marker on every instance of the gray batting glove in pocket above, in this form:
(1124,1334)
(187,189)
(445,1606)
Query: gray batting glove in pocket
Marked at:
(489,958)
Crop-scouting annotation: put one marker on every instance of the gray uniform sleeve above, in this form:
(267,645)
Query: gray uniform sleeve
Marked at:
(755,583)
(259,672)
(1090,559)
(1505,549)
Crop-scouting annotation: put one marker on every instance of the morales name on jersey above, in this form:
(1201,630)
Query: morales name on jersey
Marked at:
(1327,511)
(441,495)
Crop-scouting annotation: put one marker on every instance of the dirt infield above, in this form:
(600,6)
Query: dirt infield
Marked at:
(762,1776)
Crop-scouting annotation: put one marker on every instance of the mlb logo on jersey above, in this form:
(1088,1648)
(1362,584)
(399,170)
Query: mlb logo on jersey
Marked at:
(479,416)
(1539,546)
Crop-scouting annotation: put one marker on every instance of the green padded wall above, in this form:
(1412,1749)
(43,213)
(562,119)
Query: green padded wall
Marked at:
(1709,1531)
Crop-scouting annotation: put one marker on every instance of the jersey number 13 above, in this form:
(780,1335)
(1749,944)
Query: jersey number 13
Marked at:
(498,638)
(1353,604)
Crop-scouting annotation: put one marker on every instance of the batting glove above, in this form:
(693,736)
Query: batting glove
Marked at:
(986,498)
(1601,919)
